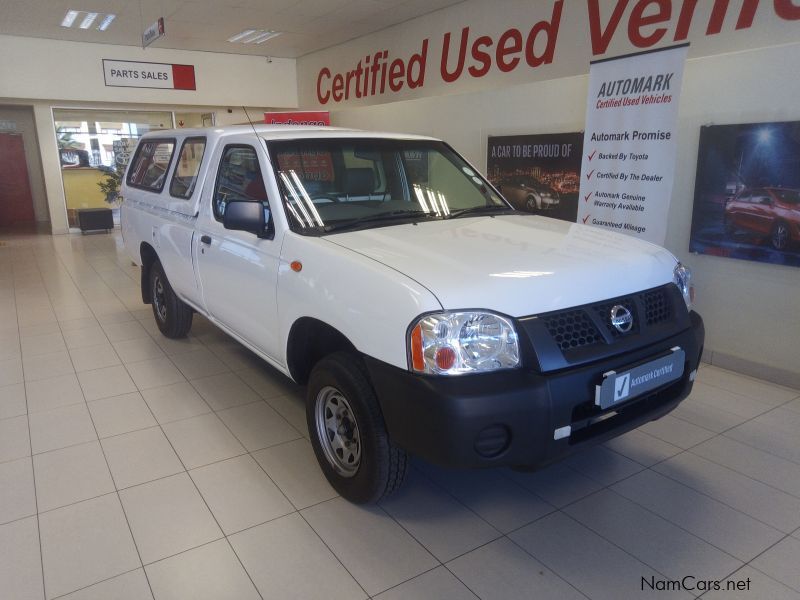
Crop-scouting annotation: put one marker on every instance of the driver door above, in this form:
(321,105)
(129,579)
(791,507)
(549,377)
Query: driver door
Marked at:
(238,271)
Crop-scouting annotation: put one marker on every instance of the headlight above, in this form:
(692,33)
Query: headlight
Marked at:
(454,343)
(682,277)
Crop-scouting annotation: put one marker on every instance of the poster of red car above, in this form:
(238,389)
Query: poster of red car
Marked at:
(747,192)
(538,173)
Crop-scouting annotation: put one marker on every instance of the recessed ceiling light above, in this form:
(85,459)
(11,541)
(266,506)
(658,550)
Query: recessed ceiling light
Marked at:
(69,18)
(240,36)
(106,22)
(86,19)
(267,35)
(254,36)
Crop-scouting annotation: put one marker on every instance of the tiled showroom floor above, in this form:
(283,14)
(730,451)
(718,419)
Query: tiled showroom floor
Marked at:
(132,465)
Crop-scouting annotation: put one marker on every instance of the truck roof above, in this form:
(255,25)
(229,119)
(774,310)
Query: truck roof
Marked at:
(277,132)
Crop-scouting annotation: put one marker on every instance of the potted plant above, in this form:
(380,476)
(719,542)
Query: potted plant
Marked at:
(110,184)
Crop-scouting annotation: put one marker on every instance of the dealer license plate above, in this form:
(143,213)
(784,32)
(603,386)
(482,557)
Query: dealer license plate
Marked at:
(618,387)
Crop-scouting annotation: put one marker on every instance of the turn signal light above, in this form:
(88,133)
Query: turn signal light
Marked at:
(296,266)
(417,360)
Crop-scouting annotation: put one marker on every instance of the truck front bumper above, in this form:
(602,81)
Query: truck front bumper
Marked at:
(521,417)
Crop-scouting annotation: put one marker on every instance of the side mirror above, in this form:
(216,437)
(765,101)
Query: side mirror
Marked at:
(246,216)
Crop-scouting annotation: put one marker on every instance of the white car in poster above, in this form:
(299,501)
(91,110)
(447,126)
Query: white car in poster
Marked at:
(527,194)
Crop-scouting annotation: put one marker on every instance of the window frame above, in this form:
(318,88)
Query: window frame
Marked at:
(155,140)
(225,148)
(199,167)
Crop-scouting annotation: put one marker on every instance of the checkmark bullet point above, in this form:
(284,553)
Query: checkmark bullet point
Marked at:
(587,196)
(589,174)
(591,156)
(586,218)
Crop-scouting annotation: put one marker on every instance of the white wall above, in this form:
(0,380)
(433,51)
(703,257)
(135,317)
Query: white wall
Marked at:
(752,310)
(573,42)
(42,69)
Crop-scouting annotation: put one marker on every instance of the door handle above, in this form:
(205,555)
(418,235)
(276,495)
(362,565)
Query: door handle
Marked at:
(205,239)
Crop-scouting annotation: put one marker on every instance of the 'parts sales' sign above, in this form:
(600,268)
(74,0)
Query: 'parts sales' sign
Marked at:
(629,143)
(126,73)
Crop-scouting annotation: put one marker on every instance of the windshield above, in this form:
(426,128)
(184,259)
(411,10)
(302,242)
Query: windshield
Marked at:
(334,184)
(789,196)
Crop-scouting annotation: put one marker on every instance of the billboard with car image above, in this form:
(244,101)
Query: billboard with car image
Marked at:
(537,173)
(747,192)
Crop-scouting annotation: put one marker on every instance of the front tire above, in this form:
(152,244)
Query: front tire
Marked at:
(780,236)
(173,316)
(348,433)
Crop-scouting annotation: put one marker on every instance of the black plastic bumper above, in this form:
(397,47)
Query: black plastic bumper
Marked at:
(510,418)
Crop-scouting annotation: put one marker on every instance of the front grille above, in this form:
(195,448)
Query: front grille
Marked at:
(590,325)
(581,334)
(657,307)
(572,329)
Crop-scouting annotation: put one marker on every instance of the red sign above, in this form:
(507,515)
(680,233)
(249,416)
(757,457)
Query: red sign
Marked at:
(309,165)
(321,117)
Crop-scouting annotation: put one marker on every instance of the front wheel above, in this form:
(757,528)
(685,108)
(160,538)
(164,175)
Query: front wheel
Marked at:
(780,236)
(348,433)
(173,316)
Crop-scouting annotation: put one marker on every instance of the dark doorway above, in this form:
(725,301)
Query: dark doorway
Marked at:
(16,201)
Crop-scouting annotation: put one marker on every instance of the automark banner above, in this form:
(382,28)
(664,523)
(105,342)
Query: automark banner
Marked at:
(629,143)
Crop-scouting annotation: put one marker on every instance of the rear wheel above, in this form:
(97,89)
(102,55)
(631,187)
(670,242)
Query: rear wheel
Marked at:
(348,433)
(730,228)
(780,236)
(173,316)
(533,203)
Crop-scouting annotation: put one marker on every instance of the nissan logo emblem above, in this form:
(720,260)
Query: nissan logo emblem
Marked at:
(621,318)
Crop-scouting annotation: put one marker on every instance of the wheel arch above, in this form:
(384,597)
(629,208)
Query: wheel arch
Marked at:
(533,197)
(308,342)
(149,257)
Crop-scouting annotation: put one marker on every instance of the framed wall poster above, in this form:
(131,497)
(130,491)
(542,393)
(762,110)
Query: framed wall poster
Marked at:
(538,173)
(747,192)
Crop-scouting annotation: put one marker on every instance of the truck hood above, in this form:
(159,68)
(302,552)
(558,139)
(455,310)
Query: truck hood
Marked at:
(514,264)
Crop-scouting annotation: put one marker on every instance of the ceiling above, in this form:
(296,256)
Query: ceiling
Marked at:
(307,25)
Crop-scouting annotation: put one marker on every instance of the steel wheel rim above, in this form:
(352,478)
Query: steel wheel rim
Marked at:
(337,431)
(158,298)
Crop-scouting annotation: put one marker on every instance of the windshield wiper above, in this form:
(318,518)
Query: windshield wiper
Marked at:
(384,216)
(480,209)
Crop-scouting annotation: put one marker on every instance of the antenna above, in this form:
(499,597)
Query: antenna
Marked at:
(249,120)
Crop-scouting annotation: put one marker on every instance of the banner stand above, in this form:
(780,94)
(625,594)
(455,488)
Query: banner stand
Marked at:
(629,145)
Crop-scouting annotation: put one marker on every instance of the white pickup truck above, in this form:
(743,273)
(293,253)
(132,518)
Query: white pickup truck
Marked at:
(424,313)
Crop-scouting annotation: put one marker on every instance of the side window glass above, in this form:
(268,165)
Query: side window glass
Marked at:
(239,179)
(185,176)
(151,164)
